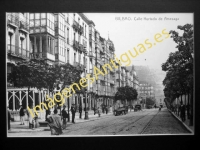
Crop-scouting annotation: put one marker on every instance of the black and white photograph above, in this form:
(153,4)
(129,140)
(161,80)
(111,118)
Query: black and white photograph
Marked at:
(93,74)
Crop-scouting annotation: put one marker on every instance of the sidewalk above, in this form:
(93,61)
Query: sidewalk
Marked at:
(16,127)
(185,123)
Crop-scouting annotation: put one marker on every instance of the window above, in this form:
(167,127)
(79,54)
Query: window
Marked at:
(43,15)
(79,38)
(31,23)
(68,55)
(31,16)
(67,18)
(79,58)
(43,22)
(85,30)
(37,16)
(37,23)
(74,57)
(67,35)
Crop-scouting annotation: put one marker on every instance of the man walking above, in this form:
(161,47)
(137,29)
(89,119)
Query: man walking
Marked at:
(80,111)
(64,117)
(21,113)
(182,110)
(73,110)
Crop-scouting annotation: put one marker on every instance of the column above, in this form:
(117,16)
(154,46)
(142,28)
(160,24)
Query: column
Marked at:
(13,100)
(53,46)
(26,48)
(46,44)
(26,99)
(90,98)
(33,100)
(20,98)
(39,98)
(40,44)
(35,46)
(7,99)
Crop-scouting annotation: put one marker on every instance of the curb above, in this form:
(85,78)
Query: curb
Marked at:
(26,130)
(191,131)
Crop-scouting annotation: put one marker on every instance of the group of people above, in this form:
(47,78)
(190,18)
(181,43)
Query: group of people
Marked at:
(180,110)
(33,121)
(56,122)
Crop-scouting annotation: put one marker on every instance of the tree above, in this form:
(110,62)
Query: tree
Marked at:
(149,101)
(29,73)
(179,66)
(36,73)
(126,93)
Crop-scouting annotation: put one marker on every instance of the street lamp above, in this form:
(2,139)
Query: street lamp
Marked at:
(86,112)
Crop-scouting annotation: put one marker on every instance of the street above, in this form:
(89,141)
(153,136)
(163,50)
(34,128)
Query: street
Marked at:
(149,121)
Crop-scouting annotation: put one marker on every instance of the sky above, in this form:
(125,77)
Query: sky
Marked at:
(127,30)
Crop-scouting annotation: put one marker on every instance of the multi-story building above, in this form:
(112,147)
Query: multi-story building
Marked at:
(101,52)
(59,38)
(17,47)
(146,90)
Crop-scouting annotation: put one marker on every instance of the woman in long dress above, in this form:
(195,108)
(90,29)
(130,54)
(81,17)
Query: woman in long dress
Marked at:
(55,123)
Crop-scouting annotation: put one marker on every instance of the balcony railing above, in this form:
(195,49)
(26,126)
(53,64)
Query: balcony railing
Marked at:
(80,66)
(80,29)
(91,54)
(75,25)
(18,51)
(81,48)
(36,55)
(111,48)
(24,25)
(75,45)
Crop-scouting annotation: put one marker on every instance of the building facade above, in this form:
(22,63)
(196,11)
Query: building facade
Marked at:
(59,38)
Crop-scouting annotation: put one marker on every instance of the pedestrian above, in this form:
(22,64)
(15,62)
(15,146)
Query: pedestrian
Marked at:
(35,119)
(21,114)
(47,113)
(30,117)
(103,109)
(110,108)
(73,111)
(9,118)
(159,108)
(179,110)
(106,108)
(99,112)
(182,110)
(64,117)
(55,123)
(80,111)
(155,106)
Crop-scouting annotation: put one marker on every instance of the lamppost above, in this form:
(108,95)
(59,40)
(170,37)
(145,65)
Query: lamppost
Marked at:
(96,96)
(86,111)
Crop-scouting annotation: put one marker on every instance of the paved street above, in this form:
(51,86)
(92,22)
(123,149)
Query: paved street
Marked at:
(150,121)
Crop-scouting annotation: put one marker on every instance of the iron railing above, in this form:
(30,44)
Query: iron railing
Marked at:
(13,19)
(36,55)
(18,51)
